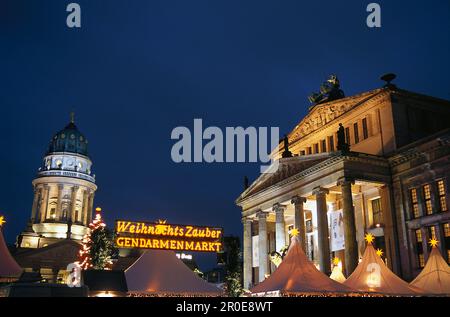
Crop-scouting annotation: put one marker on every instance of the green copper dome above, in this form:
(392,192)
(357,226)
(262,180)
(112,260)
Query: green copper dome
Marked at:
(69,140)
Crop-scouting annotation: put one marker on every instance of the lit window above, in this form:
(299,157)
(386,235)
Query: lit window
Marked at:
(446,230)
(331,143)
(324,145)
(418,236)
(414,203)
(432,232)
(419,248)
(356,132)
(365,129)
(442,196)
(377,212)
(421,260)
(427,198)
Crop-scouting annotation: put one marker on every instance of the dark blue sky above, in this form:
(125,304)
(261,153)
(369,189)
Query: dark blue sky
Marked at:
(137,69)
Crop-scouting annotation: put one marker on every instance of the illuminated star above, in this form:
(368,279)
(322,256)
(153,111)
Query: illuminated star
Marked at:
(162,221)
(369,238)
(336,261)
(2,221)
(380,252)
(294,232)
(433,242)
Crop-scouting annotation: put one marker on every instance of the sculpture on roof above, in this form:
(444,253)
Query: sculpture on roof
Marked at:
(329,90)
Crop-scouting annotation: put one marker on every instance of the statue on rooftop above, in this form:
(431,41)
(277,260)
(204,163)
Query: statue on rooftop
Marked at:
(329,90)
(342,145)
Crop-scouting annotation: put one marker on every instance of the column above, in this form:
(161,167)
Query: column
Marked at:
(37,194)
(90,206)
(59,203)
(44,204)
(85,207)
(280,234)
(262,244)
(247,245)
(323,235)
(299,218)
(73,203)
(351,244)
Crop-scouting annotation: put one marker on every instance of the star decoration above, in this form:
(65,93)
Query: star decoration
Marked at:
(2,221)
(380,252)
(433,243)
(162,221)
(294,232)
(369,238)
(336,261)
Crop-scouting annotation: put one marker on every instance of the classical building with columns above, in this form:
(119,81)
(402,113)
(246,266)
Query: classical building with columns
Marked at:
(375,162)
(62,206)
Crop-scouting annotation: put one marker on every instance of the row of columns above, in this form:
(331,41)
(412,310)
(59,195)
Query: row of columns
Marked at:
(40,211)
(351,248)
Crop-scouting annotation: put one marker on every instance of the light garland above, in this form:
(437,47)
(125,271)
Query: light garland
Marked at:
(84,255)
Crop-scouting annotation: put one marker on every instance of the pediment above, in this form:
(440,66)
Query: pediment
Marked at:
(287,167)
(322,114)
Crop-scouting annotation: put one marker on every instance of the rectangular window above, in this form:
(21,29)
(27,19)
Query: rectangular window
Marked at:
(347,135)
(331,143)
(421,260)
(365,129)
(316,148)
(308,150)
(432,232)
(419,248)
(442,196)
(356,132)
(309,227)
(427,199)
(302,152)
(447,230)
(323,145)
(446,242)
(414,203)
(377,212)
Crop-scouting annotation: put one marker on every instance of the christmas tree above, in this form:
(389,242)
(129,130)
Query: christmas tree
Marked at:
(96,246)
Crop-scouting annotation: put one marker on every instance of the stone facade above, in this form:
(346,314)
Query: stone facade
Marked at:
(399,141)
(62,206)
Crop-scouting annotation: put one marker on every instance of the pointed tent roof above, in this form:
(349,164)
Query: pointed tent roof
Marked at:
(8,266)
(160,271)
(337,275)
(366,279)
(296,274)
(435,276)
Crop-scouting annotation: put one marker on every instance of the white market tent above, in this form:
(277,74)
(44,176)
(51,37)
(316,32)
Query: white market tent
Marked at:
(372,275)
(160,272)
(9,269)
(337,275)
(296,275)
(435,276)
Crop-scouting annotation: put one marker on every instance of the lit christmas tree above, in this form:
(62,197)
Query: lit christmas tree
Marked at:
(96,246)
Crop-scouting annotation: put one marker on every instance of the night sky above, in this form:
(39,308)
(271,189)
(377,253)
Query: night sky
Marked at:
(137,69)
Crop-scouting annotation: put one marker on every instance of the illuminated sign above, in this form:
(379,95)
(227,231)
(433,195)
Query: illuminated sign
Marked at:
(160,235)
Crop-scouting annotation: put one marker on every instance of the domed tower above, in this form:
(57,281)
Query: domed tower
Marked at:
(63,191)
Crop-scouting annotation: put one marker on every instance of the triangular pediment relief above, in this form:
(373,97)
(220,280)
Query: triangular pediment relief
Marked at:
(322,114)
(287,167)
